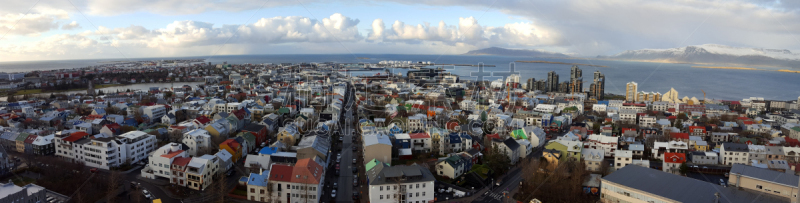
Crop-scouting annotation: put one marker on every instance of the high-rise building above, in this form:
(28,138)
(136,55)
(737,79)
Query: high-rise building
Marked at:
(552,81)
(563,87)
(630,91)
(541,85)
(530,84)
(598,86)
(576,80)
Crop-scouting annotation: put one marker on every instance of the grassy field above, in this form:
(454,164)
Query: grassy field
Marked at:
(22,181)
(32,91)
(38,91)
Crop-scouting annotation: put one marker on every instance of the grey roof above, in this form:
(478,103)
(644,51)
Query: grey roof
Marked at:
(413,173)
(636,147)
(765,174)
(511,143)
(370,140)
(679,188)
(735,147)
(321,144)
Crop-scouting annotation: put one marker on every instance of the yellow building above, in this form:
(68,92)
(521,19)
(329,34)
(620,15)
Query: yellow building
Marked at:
(630,91)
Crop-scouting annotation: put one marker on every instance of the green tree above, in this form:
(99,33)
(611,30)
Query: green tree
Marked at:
(484,116)
(497,160)
(678,123)
(684,168)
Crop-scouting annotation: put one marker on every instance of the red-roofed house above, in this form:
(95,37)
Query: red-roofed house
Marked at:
(421,142)
(178,169)
(307,176)
(697,130)
(111,129)
(232,147)
(160,162)
(673,161)
(680,136)
(76,136)
(201,122)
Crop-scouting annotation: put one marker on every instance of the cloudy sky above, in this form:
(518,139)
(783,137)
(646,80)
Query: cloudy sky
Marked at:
(88,29)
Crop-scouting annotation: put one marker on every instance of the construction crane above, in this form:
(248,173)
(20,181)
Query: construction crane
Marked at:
(704,96)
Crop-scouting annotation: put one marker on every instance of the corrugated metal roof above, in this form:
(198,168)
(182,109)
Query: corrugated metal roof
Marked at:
(766,175)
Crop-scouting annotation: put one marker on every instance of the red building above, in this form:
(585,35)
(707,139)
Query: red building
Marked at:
(257,130)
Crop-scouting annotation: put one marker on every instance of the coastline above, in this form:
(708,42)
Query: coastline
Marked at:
(39,91)
(744,68)
(554,62)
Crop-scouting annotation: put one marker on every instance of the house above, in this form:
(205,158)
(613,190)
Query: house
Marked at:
(568,150)
(198,141)
(106,152)
(412,183)
(622,159)
(259,131)
(593,158)
(704,158)
(607,143)
(640,184)
(217,128)
(9,192)
(43,145)
(734,153)
(302,182)
(314,146)
(200,171)
(258,186)
(525,148)
(421,142)
(510,147)
(225,160)
(254,163)
(764,181)
(672,162)
(159,163)
(377,146)
(178,168)
(288,134)
(250,141)
(233,147)
(452,167)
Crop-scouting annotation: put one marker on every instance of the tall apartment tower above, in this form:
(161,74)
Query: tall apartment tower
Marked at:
(552,81)
(598,86)
(630,91)
(530,84)
(576,80)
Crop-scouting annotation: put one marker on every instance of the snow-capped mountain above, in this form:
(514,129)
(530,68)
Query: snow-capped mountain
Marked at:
(714,54)
(516,52)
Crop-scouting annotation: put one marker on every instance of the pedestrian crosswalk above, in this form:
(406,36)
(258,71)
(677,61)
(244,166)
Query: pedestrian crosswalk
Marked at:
(497,196)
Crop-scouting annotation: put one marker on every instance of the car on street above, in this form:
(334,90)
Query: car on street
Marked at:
(135,185)
(147,194)
(355,182)
(333,193)
(722,183)
(355,169)
(355,195)
(354,161)
(93,170)
(337,166)
(354,148)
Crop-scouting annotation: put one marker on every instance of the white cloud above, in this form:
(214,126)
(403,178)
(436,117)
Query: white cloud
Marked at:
(71,26)
(468,32)
(29,24)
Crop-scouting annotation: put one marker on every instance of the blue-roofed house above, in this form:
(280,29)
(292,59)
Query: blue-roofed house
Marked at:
(268,150)
(402,140)
(455,144)
(257,189)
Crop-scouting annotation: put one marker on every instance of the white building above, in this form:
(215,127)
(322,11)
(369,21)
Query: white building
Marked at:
(106,152)
(197,139)
(155,111)
(734,153)
(412,183)
(622,158)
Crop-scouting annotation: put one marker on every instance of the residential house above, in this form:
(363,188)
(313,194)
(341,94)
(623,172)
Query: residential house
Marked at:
(452,167)
(622,159)
(510,147)
(233,147)
(672,162)
(734,153)
(409,183)
(198,141)
(704,158)
(764,181)
(377,146)
(593,159)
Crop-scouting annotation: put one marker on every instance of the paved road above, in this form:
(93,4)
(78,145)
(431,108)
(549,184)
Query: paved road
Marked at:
(510,182)
(344,192)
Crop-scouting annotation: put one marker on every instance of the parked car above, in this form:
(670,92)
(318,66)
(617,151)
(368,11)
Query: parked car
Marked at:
(135,185)
(333,193)
(354,161)
(355,169)
(337,166)
(147,194)
(93,170)
(355,195)
(355,182)
(722,183)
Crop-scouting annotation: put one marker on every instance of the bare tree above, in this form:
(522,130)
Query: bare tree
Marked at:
(114,181)
(176,136)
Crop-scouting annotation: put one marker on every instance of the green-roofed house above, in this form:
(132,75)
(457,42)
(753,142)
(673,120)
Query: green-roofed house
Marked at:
(568,149)
(21,142)
(519,134)
(452,167)
(795,132)
(250,138)
(372,164)
(283,110)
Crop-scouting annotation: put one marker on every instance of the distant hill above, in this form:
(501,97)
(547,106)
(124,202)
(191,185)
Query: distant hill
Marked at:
(516,52)
(713,54)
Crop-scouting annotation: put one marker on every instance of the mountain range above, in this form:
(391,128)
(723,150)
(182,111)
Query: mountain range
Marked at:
(516,52)
(713,54)
(698,54)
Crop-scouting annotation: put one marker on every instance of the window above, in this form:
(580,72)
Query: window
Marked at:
(423,193)
(252,190)
(759,187)
(381,188)
(381,196)
(410,194)
(417,185)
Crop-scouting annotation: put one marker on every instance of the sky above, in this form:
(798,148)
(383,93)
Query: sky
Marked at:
(96,29)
